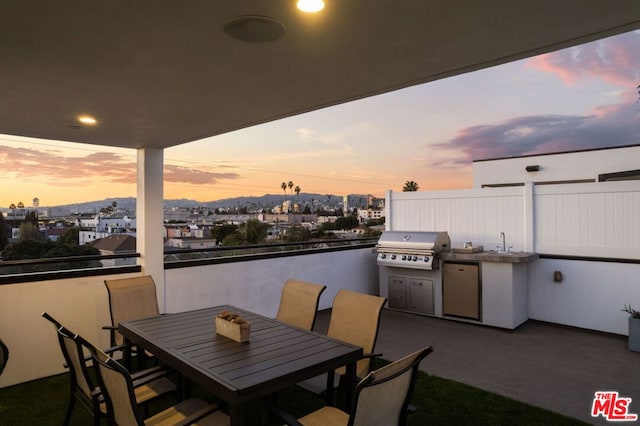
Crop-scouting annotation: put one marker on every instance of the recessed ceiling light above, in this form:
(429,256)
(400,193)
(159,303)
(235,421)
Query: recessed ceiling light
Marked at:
(310,6)
(87,119)
(255,29)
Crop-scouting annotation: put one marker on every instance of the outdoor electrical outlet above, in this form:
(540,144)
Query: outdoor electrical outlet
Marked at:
(557,276)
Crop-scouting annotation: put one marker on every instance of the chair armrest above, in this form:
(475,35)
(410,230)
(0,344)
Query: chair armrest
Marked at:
(112,333)
(116,348)
(112,338)
(372,357)
(111,329)
(156,371)
(97,396)
(144,377)
(108,351)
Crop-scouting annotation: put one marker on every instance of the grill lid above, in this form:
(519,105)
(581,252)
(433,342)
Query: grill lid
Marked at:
(433,242)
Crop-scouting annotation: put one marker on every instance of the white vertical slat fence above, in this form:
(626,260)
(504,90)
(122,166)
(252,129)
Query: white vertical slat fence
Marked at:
(477,215)
(590,219)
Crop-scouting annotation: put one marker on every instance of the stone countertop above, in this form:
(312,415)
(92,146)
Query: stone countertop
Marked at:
(490,256)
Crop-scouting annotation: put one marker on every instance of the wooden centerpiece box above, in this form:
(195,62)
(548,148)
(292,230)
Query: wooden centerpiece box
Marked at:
(233,326)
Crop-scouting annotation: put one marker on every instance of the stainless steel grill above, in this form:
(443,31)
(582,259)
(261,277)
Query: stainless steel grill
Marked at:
(417,250)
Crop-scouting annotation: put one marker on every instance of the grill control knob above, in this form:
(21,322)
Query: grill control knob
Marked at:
(383,256)
(414,258)
(404,257)
(393,256)
(426,258)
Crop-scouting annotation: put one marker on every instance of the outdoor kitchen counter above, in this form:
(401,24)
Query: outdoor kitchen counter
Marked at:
(503,279)
(490,256)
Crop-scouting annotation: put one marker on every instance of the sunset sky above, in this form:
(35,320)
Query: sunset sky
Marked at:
(577,98)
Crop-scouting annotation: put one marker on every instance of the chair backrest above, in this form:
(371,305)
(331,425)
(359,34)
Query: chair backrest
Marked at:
(131,299)
(355,319)
(116,385)
(4,355)
(74,358)
(382,397)
(299,303)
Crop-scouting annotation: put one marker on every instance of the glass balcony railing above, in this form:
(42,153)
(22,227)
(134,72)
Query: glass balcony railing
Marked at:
(184,258)
(17,271)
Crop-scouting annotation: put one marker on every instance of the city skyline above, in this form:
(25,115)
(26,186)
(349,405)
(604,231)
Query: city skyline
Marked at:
(578,98)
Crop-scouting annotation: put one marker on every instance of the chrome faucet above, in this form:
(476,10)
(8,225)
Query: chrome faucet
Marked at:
(504,248)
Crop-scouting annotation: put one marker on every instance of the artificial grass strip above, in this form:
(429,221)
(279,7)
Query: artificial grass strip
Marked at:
(40,402)
(446,402)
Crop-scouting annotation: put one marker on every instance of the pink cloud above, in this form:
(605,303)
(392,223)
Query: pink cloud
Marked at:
(614,60)
(106,166)
(194,176)
(611,125)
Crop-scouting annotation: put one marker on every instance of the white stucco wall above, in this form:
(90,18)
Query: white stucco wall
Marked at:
(256,285)
(81,304)
(570,166)
(590,296)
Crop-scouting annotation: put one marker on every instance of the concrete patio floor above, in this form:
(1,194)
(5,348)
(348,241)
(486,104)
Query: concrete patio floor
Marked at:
(550,366)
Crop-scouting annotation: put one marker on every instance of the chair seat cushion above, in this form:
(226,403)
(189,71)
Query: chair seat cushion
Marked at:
(325,416)
(182,410)
(154,389)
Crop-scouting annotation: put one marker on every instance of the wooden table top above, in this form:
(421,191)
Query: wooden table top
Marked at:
(275,357)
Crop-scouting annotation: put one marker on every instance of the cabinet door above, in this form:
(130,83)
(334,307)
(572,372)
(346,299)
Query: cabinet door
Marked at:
(421,296)
(397,297)
(461,290)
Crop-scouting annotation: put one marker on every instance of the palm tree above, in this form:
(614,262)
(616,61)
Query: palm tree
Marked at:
(290,185)
(284,188)
(21,207)
(13,214)
(410,186)
(297,190)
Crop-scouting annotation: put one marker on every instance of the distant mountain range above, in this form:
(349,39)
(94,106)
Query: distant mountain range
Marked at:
(267,200)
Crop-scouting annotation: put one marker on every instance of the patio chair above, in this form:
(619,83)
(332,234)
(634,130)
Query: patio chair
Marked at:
(299,303)
(381,398)
(355,319)
(4,355)
(150,384)
(120,398)
(130,299)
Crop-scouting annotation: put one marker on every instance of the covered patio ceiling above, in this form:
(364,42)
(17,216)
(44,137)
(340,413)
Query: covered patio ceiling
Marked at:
(161,73)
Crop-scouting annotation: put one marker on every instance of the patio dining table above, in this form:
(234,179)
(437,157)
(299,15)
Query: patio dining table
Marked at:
(276,356)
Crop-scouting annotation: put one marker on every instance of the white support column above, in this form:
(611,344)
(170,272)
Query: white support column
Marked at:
(150,217)
(387,210)
(528,208)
